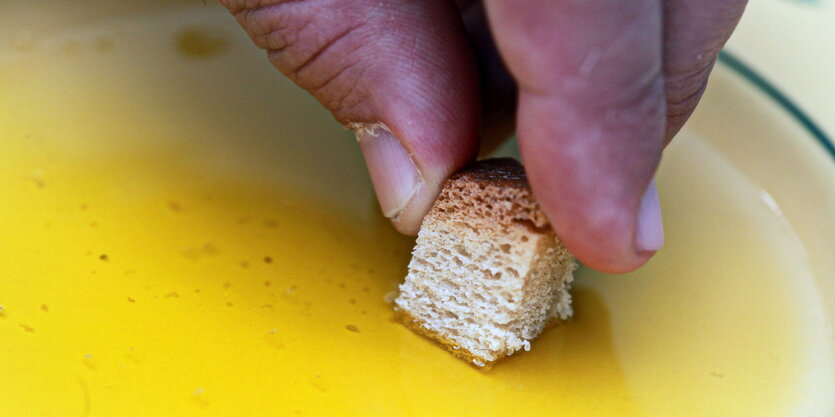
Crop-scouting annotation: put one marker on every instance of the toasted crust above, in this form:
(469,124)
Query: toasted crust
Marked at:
(505,171)
(504,197)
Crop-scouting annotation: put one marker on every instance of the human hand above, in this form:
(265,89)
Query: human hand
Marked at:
(602,86)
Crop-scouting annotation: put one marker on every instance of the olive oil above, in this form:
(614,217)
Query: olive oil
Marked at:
(207,243)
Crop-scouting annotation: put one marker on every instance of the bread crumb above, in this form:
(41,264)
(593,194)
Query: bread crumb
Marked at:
(37,178)
(210,249)
(273,331)
(390,296)
(367,129)
(174,206)
(201,43)
(270,224)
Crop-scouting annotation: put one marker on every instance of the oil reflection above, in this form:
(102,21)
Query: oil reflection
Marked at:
(572,368)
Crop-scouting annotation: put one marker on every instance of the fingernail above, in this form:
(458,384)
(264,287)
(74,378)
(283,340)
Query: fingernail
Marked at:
(396,179)
(649,233)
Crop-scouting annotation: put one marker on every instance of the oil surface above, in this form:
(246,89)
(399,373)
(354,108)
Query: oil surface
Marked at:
(196,237)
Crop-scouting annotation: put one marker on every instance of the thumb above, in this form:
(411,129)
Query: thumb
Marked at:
(399,73)
(591,119)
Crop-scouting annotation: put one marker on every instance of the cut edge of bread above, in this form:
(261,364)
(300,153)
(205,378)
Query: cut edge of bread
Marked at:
(419,326)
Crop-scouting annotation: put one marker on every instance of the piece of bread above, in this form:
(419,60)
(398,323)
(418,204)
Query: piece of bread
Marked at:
(487,274)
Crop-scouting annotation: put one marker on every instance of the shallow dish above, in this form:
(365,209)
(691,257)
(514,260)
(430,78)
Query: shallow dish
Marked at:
(186,233)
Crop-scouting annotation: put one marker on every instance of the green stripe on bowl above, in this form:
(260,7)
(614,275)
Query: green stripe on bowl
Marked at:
(770,90)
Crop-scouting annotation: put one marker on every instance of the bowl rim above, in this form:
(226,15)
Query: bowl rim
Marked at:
(763,85)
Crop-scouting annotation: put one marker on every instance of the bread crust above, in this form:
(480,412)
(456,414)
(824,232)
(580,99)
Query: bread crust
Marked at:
(501,171)
(503,197)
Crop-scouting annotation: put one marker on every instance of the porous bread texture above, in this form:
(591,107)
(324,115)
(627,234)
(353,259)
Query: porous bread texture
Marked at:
(487,272)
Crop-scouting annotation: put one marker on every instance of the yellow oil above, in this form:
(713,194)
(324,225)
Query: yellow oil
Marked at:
(183,233)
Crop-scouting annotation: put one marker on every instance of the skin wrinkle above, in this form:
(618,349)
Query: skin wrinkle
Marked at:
(679,111)
(316,89)
(285,37)
(237,6)
(413,49)
(312,80)
(684,80)
(339,104)
(694,34)
(266,18)
(683,101)
(323,49)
